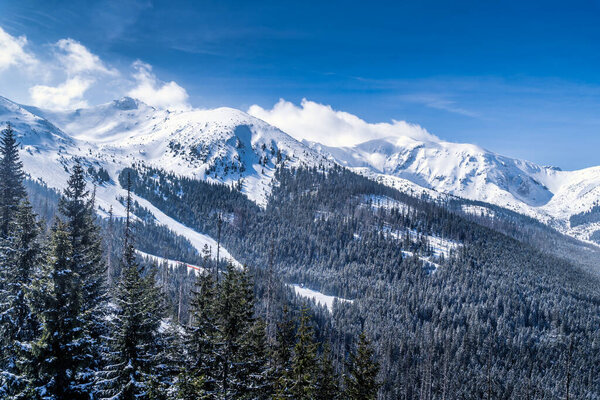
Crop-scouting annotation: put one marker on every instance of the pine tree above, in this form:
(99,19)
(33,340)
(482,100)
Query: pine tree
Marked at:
(255,354)
(304,371)
(235,316)
(77,208)
(282,355)
(170,363)
(202,337)
(361,379)
(18,324)
(12,190)
(327,382)
(60,352)
(134,328)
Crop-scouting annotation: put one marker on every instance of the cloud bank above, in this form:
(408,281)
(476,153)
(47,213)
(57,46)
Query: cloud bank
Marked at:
(13,53)
(66,72)
(68,95)
(77,59)
(83,69)
(321,123)
(156,93)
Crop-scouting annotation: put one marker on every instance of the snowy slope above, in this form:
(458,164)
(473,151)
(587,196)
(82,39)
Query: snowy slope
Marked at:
(48,153)
(229,146)
(221,145)
(469,171)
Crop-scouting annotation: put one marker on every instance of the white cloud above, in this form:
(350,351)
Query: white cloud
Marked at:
(77,59)
(82,68)
(68,95)
(12,51)
(321,123)
(156,93)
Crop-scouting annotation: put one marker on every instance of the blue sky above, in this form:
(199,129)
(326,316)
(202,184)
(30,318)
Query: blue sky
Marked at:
(517,77)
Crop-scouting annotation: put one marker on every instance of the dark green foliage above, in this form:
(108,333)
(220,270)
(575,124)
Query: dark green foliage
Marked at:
(77,209)
(12,190)
(226,344)
(60,354)
(361,379)
(303,374)
(327,382)
(202,335)
(132,354)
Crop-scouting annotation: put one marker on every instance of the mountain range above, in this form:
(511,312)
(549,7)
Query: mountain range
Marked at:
(229,146)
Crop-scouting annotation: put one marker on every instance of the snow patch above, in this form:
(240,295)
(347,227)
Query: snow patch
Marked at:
(318,297)
(171,263)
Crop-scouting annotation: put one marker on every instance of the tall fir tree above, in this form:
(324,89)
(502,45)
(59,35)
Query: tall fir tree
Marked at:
(77,208)
(18,324)
(201,337)
(12,190)
(361,378)
(18,258)
(60,353)
(237,375)
(304,362)
(327,382)
(256,356)
(281,357)
(134,327)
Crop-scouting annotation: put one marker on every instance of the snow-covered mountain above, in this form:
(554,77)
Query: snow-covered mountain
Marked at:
(229,146)
(469,171)
(221,145)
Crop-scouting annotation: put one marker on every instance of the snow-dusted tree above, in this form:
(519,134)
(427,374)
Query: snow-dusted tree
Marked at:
(60,353)
(281,357)
(12,190)
(22,257)
(170,362)
(238,366)
(201,337)
(77,208)
(361,379)
(327,382)
(19,256)
(133,340)
(304,362)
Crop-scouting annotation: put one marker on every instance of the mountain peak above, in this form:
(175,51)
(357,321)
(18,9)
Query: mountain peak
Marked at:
(126,103)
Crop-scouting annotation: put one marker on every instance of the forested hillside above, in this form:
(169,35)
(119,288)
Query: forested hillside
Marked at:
(433,302)
(491,315)
(78,323)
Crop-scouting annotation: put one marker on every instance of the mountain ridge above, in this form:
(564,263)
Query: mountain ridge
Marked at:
(229,146)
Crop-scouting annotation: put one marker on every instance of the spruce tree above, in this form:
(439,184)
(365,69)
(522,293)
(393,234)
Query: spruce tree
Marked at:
(361,379)
(281,357)
(77,209)
(235,315)
(60,354)
(170,363)
(134,328)
(202,339)
(255,354)
(327,382)
(12,190)
(304,362)
(18,324)
(17,233)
